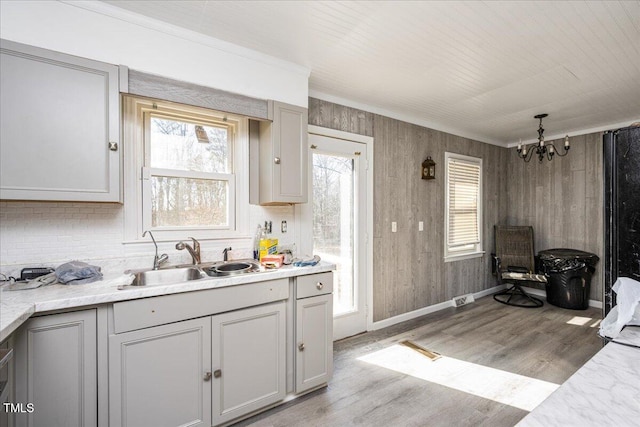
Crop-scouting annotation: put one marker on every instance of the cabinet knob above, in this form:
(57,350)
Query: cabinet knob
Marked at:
(301,346)
(276,160)
(113,146)
(319,285)
(207,376)
(217,373)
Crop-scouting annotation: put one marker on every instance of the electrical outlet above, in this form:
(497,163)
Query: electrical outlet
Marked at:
(421,226)
(283,226)
(394,227)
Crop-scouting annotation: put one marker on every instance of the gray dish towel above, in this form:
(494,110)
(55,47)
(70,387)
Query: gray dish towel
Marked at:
(77,272)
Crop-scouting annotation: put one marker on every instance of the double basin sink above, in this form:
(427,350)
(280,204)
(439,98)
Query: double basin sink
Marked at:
(181,273)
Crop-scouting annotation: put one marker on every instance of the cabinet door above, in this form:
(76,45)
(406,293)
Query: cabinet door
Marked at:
(290,145)
(6,382)
(284,156)
(248,360)
(59,114)
(56,359)
(314,341)
(161,376)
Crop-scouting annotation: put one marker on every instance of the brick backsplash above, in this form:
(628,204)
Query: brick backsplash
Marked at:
(36,232)
(51,233)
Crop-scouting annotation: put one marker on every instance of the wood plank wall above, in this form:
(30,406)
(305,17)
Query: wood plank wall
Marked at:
(409,271)
(562,200)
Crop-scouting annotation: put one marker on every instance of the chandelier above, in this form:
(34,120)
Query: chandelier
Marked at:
(541,149)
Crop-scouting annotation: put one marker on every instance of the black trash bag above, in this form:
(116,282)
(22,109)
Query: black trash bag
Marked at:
(561,260)
(569,274)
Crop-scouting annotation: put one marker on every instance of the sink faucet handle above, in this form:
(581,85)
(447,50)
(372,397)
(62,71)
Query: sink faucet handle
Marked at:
(196,251)
(225,253)
(196,244)
(162,259)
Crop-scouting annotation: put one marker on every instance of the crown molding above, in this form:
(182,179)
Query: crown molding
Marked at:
(403,117)
(182,33)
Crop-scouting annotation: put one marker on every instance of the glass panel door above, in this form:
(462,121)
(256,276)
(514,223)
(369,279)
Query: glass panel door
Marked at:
(338,219)
(333,223)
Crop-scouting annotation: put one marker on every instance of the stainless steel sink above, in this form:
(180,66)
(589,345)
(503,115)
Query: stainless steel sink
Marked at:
(167,276)
(232,268)
(179,274)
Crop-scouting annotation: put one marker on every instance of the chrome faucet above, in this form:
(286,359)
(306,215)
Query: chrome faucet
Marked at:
(194,250)
(157,260)
(225,253)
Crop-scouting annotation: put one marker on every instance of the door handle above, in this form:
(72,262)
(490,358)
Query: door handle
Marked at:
(207,376)
(217,373)
(301,346)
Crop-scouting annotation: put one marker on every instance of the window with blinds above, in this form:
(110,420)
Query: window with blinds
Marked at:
(463,209)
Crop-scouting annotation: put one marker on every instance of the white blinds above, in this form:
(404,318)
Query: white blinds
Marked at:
(464,193)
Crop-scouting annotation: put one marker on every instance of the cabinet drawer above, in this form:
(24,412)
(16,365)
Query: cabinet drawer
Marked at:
(146,312)
(314,284)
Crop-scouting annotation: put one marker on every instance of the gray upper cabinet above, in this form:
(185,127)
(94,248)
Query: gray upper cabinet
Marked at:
(279,157)
(60,126)
(56,370)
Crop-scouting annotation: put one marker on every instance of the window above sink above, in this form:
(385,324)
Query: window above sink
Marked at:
(187,171)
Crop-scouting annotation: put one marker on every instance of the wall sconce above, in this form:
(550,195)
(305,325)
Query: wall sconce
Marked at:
(429,169)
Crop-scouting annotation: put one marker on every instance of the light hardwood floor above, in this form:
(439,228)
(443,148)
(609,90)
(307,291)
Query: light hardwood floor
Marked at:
(536,343)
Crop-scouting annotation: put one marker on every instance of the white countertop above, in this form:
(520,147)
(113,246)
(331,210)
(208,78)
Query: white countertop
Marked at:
(604,392)
(17,306)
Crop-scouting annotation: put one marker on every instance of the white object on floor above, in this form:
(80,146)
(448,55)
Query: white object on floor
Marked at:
(627,310)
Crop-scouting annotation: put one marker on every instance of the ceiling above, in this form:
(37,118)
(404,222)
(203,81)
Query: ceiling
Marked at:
(476,69)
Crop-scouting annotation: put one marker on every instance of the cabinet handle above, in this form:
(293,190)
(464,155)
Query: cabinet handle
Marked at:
(276,160)
(301,346)
(113,146)
(319,285)
(207,376)
(217,373)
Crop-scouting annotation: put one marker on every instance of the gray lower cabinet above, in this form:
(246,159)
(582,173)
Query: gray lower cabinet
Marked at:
(201,372)
(6,381)
(160,376)
(56,370)
(248,360)
(314,331)
(314,349)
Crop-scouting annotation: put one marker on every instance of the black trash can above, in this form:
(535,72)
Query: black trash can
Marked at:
(569,281)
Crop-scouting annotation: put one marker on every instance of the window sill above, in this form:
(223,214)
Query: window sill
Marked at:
(452,258)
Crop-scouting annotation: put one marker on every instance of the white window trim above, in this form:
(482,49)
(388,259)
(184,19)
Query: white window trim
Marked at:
(135,168)
(475,250)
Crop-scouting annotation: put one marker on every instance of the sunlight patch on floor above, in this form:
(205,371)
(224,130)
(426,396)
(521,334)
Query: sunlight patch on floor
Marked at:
(596,323)
(500,386)
(580,321)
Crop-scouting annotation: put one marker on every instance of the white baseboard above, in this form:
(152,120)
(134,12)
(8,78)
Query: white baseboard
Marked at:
(446,304)
(427,310)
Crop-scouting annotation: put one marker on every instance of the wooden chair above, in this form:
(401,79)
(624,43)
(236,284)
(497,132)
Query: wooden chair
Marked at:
(515,265)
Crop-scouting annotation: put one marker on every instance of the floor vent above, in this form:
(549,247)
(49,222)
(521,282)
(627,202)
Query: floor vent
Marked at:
(463,300)
(423,351)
